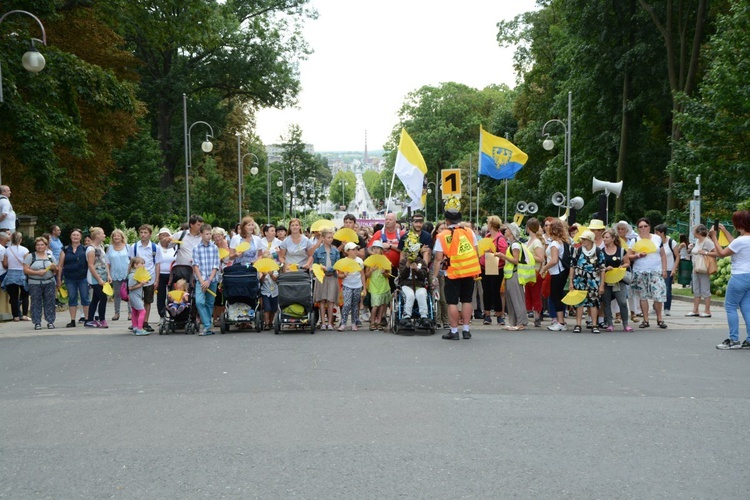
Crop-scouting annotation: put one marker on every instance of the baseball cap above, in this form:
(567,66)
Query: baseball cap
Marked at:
(350,246)
(377,243)
(164,230)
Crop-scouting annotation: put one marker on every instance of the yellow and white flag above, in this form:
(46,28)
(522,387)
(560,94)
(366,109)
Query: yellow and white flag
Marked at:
(411,169)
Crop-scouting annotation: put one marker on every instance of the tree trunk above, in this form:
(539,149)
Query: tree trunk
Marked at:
(624,128)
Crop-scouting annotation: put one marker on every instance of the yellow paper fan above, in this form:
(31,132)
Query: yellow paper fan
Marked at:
(211,292)
(346,234)
(242,247)
(321,224)
(63,293)
(644,246)
(293,267)
(347,265)
(141,275)
(574,297)
(378,260)
(319,272)
(176,242)
(266,265)
(176,295)
(614,276)
(486,245)
(223,253)
(107,289)
(624,243)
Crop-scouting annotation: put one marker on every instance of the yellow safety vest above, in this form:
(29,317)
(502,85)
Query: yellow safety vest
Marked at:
(458,246)
(526,266)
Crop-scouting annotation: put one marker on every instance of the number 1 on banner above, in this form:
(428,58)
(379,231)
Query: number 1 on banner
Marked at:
(451,181)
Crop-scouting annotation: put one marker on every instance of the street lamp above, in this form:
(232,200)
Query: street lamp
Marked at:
(240,172)
(206,147)
(548,143)
(429,191)
(32,60)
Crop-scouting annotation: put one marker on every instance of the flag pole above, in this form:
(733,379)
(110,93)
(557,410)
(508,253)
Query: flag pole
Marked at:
(505,214)
(470,196)
(390,193)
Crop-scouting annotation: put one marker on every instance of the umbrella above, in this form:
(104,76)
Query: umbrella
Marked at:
(614,276)
(644,246)
(321,224)
(574,297)
(318,271)
(223,253)
(486,245)
(346,234)
(242,247)
(107,289)
(141,275)
(176,295)
(347,265)
(378,260)
(266,265)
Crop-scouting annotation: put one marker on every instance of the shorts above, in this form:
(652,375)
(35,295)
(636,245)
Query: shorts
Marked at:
(75,288)
(270,304)
(649,285)
(701,285)
(148,294)
(459,290)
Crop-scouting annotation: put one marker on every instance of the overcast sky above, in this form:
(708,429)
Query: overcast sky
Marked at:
(370,53)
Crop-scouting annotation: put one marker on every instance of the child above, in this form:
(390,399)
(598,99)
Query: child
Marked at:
(206,271)
(412,276)
(135,297)
(270,292)
(353,286)
(177,302)
(379,289)
(327,292)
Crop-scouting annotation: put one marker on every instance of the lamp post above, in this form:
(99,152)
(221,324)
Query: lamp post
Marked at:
(548,143)
(206,147)
(343,194)
(240,172)
(429,191)
(32,60)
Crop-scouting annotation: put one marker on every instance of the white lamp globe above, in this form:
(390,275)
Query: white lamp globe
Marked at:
(548,144)
(207,147)
(254,170)
(33,60)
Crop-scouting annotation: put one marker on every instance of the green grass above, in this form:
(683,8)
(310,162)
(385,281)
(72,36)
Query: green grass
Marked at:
(688,292)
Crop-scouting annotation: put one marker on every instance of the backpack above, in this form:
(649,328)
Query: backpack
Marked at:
(153,250)
(565,258)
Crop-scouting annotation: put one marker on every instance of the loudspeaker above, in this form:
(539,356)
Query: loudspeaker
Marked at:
(532,208)
(608,187)
(576,203)
(558,199)
(521,207)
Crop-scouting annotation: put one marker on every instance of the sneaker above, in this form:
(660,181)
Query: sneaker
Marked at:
(563,327)
(610,329)
(103,324)
(131,328)
(487,320)
(91,324)
(141,332)
(555,327)
(667,312)
(37,327)
(627,329)
(746,344)
(451,336)
(82,320)
(729,344)
(537,323)
(206,332)
(467,334)
(50,326)
(148,328)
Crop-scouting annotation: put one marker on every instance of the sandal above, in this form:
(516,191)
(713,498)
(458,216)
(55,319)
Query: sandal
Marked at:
(373,327)
(644,324)
(661,324)
(595,330)
(577,329)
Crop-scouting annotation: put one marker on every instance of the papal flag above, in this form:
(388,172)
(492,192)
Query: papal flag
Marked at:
(498,157)
(411,169)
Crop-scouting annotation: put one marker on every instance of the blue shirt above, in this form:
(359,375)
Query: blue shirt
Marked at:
(206,258)
(319,257)
(56,246)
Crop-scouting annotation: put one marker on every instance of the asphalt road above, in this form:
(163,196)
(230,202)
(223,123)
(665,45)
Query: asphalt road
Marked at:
(652,414)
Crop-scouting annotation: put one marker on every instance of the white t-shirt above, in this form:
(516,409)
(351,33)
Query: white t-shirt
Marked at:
(670,252)
(9,222)
(185,251)
(3,269)
(251,255)
(15,254)
(741,257)
(354,280)
(147,254)
(165,258)
(555,270)
(652,261)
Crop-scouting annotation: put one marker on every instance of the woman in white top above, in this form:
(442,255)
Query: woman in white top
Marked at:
(98,274)
(738,288)
(649,272)
(119,260)
(165,257)
(247,235)
(15,280)
(555,250)
(296,248)
(702,247)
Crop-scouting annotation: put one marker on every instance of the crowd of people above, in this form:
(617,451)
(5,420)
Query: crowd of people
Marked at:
(520,277)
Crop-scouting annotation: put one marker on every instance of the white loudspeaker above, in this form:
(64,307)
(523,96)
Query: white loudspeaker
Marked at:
(558,199)
(521,207)
(576,203)
(532,208)
(608,187)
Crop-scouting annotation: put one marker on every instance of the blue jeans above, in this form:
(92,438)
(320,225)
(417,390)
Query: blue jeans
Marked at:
(204,302)
(738,296)
(77,288)
(668,282)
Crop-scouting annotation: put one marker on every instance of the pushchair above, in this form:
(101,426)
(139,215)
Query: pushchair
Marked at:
(241,291)
(296,311)
(414,324)
(185,319)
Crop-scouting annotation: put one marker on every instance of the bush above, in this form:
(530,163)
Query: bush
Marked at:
(720,279)
(655,216)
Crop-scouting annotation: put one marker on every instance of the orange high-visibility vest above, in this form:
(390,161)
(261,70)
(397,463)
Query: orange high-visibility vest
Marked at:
(458,246)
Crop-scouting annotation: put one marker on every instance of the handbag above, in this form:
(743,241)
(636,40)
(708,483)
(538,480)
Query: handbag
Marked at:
(700,264)
(628,278)
(124,291)
(711,264)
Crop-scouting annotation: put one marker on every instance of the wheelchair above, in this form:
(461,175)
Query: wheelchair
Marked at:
(415,325)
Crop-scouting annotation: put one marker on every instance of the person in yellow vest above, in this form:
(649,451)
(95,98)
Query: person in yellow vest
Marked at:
(515,297)
(459,245)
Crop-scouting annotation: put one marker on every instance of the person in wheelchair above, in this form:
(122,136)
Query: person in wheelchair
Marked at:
(412,278)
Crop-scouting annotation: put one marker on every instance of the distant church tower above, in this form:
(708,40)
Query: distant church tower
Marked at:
(366,159)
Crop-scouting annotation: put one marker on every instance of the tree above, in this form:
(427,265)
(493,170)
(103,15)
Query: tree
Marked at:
(343,188)
(299,164)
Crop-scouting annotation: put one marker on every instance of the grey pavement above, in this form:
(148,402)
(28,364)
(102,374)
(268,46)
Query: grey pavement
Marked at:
(535,414)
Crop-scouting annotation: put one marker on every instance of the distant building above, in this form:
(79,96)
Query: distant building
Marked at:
(274,151)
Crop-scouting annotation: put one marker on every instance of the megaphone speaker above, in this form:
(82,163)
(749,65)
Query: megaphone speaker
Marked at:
(532,208)
(521,207)
(614,188)
(558,199)
(577,203)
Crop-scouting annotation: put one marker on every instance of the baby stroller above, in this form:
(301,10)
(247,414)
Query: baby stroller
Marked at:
(414,324)
(296,310)
(185,319)
(241,290)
